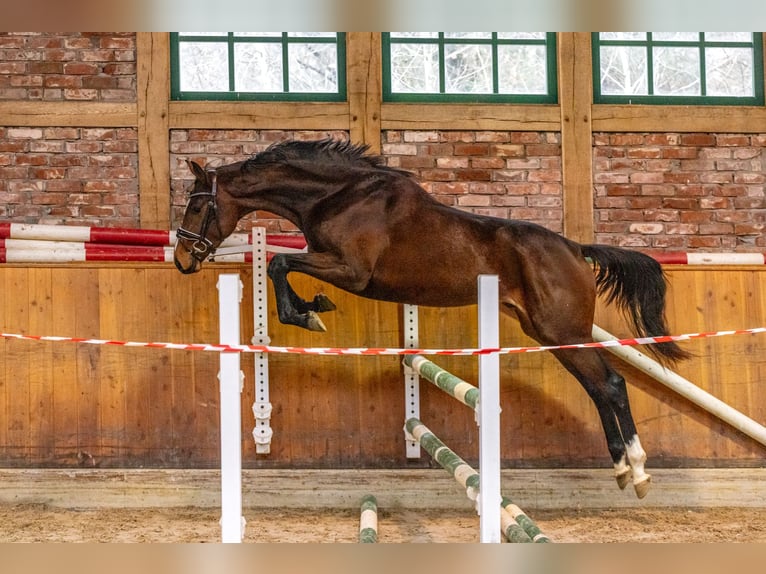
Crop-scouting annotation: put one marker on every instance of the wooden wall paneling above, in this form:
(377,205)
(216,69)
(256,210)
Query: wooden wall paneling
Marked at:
(365,87)
(180,383)
(161,440)
(41,379)
(85,297)
(203,316)
(153,59)
(69,301)
(17,357)
(111,367)
(576,97)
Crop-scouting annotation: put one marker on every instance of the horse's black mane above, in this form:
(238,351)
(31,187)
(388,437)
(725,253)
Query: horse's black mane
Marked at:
(328,150)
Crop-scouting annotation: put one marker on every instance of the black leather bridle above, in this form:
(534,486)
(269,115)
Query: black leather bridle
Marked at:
(202,247)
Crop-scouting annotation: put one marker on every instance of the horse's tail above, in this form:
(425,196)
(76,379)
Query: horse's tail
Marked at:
(636,284)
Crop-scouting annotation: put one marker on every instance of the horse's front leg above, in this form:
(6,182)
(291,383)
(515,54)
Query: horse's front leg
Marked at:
(291,308)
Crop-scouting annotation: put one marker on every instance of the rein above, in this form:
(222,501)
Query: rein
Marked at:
(202,246)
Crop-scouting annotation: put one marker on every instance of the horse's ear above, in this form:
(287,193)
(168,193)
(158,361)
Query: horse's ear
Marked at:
(197,170)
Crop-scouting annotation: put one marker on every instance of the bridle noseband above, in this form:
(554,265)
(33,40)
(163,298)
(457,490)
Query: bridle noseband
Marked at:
(202,246)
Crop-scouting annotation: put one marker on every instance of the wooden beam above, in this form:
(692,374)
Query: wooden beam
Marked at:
(259,115)
(470,117)
(576,97)
(639,118)
(413,489)
(365,87)
(68,114)
(153,59)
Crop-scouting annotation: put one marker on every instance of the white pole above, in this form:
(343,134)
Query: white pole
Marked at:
(230,377)
(262,431)
(490,498)
(684,387)
(411,380)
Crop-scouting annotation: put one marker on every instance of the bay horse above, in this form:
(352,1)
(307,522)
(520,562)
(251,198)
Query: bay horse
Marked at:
(369,228)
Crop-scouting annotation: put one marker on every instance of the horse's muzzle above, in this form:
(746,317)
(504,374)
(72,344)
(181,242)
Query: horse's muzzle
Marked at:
(185,261)
(193,268)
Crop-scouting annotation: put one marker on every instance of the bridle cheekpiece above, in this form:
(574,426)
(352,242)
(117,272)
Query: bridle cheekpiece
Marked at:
(202,247)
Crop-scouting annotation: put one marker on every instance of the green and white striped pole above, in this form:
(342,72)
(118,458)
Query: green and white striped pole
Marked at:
(454,386)
(368,520)
(460,470)
(526,523)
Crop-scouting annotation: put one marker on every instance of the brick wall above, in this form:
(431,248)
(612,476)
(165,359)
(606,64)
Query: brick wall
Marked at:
(503,174)
(72,66)
(56,175)
(670,191)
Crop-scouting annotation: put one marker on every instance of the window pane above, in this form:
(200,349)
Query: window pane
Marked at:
(623,70)
(468,69)
(258,67)
(223,34)
(312,34)
(728,36)
(729,72)
(258,34)
(677,71)
(313,68)
(414,34)
(521,35)
(522,70)
(676,36)
(622,35)
(414,68)
(483,35)
(203,67)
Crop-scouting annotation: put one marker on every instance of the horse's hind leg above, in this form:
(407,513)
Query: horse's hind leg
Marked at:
(607,390)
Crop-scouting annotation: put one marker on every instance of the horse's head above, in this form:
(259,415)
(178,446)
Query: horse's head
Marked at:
(202,230)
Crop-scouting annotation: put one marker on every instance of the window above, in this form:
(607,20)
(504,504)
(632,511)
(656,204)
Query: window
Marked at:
(678,67)
(258,66)
(469,67)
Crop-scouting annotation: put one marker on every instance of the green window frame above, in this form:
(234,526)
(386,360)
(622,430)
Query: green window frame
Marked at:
(232,51)
(497,47)
(648,65)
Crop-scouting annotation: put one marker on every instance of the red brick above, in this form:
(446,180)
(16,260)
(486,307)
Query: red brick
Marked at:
(695,217)
(473,174)
(644,152)
(543,149)
(680,203)
(662,139)
(627,139)
(716,229)
(704,242)
(679,152)
(471,149)
(527,137)
(627,189)
(732,140)
(684,177)
(698,139)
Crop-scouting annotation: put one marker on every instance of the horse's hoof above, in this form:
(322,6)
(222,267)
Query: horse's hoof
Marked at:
(314,323)
(623,478)
(323,304)
(642,487)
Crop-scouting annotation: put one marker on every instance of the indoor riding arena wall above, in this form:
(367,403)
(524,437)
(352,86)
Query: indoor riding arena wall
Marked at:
(89,136)
(71,405)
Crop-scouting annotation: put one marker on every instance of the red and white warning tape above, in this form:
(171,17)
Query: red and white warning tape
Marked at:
(382,350)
